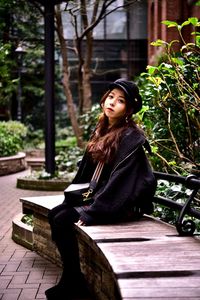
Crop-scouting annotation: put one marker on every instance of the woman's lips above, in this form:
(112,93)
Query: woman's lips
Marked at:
(110,109)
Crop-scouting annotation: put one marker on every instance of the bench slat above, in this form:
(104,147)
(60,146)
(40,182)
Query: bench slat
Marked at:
(144,259)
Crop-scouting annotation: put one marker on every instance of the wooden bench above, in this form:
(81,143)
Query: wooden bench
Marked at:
(145,259)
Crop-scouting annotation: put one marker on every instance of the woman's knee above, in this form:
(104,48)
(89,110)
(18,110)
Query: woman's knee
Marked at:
(63,216)
(54,211)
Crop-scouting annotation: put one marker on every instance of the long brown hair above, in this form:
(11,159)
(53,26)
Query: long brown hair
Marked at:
(105,140)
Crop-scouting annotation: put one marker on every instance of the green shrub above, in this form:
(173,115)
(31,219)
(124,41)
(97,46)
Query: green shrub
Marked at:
(34,138)
(12,136)
(66,161)
(65,139)
(89,120)
(7,84)
(171,96)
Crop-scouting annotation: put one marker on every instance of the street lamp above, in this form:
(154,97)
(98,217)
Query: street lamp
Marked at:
(20,51)
(49,83)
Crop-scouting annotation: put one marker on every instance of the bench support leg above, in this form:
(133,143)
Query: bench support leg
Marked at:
(186,227)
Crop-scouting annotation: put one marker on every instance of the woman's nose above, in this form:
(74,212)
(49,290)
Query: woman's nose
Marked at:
(112,102)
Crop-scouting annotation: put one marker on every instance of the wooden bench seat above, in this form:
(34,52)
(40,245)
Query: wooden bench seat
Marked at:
(144,259)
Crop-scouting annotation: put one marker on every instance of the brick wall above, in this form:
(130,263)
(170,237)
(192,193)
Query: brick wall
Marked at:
(173,10)
(42,242)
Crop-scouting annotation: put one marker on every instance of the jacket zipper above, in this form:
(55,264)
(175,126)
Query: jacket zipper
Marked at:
(123,160)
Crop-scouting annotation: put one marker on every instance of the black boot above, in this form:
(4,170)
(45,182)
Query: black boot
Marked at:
(69,288)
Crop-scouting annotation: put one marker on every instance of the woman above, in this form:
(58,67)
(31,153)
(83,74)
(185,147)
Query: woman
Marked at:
(125,188)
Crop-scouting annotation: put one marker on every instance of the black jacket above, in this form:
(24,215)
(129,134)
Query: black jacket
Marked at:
(130,182)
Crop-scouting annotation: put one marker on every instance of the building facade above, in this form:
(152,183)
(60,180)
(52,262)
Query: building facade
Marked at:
(122,40)
(119,44)
(172,10)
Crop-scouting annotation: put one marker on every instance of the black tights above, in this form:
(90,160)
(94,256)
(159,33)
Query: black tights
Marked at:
(61,220)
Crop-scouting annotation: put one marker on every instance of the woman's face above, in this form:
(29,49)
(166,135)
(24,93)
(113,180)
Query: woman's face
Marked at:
(114,106)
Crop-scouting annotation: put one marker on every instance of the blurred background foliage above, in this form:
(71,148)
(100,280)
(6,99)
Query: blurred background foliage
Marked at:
(170,91)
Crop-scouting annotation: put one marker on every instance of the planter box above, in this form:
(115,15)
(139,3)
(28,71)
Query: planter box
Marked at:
(13,164)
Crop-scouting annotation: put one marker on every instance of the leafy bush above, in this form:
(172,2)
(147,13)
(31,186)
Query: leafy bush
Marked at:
(66,161)
(65,139)
(171,96)
(12,136)
(34,138)
(89,121)
(7,84)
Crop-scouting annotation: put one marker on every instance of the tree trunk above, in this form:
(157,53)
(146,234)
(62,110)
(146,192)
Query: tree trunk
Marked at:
(87,90)
(80,74)
(67,91)
(86,69)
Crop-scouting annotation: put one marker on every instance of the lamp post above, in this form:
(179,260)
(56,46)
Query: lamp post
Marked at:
(49,83)
(20,51)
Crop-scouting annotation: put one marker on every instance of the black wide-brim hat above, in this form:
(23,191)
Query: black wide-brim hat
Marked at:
(131,91)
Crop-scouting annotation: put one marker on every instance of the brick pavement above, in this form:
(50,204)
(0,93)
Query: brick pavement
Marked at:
(24,275)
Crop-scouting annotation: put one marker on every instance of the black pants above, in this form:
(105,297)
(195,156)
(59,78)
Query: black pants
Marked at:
(61,220)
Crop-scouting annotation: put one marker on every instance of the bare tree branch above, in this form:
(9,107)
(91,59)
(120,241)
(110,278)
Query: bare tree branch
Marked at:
(95,20)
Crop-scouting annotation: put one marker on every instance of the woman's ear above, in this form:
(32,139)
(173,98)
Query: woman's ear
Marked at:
(102,104)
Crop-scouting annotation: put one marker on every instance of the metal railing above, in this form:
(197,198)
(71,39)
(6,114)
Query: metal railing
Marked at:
(192,182)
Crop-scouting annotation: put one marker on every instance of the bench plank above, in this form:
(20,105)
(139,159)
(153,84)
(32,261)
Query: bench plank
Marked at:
(155,264)
(147,258)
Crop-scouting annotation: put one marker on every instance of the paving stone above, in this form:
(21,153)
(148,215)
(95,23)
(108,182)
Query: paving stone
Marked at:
(24,274)
(11,294)
(18,279)
(11,267)
(28,294)
(5,281)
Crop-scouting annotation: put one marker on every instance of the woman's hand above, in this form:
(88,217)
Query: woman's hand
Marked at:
(80,223)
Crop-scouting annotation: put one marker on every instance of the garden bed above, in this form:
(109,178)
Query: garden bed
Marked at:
(13,164)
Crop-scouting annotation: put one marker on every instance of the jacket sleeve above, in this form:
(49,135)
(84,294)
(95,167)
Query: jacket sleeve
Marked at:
(123,189)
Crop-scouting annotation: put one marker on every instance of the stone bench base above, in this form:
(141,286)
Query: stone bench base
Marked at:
(95,266)
(39,207)
(143,259)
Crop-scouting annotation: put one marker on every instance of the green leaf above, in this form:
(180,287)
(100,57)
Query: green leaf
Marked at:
(178,61)
(154,149)
(198,40)
(185,23)
(193,21)
(170,23)
(172,163)
(151,69)
(158,43)
(195,33)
